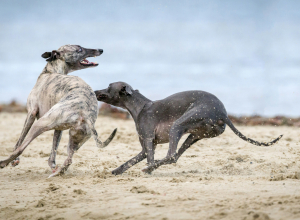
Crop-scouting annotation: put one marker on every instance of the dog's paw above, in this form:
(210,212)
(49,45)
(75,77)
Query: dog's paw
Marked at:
(117,172)
(56,172)
(2,164)
(55,168)
(148,170)
(15,162)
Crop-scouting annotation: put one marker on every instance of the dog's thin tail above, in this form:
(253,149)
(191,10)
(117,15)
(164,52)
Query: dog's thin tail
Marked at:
(238,133)
(99,143)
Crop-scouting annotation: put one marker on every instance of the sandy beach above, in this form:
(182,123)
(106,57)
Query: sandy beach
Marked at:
(219,178)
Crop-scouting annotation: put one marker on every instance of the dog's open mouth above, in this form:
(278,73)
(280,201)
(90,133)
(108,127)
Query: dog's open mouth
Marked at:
(85,62)
(101,96)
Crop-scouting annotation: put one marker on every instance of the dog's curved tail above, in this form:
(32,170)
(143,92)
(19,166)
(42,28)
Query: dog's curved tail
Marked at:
(99,143)
(238,133)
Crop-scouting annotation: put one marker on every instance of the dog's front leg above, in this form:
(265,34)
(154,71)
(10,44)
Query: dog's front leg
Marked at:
(149,146)
(56,140)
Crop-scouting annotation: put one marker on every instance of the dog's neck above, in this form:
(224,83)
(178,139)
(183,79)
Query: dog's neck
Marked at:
(135,104)
(57,66)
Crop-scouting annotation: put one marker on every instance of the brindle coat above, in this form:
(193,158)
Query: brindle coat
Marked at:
(61,102)
(198,113)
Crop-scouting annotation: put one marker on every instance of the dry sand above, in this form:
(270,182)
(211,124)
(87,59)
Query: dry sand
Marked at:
(219,178)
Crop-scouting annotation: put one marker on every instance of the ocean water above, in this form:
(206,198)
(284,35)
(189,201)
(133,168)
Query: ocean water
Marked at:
(246,53)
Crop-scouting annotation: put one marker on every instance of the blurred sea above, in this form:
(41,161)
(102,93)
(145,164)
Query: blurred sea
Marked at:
(247,53)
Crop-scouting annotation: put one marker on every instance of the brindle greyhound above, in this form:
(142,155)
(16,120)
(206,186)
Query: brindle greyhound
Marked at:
(196,112)
(61,102)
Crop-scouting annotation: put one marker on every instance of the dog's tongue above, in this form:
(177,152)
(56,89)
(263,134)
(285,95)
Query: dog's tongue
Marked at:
(86,61)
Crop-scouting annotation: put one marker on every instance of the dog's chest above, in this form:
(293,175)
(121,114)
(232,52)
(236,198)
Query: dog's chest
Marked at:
(162,131)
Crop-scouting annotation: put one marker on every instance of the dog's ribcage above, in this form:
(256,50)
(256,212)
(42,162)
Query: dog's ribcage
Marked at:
(71,92)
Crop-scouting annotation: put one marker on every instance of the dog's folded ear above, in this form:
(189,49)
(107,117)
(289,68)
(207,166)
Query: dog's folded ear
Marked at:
(51,55)
(126,90)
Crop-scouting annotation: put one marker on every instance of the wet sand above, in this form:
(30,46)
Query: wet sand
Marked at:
(219,178)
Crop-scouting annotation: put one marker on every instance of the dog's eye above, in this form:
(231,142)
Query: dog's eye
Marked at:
(79,50)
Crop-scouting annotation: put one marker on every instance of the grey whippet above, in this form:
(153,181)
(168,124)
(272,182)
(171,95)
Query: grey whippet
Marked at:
(196,112)
(61,102)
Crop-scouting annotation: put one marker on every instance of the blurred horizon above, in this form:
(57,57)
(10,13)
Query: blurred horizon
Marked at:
(245,53)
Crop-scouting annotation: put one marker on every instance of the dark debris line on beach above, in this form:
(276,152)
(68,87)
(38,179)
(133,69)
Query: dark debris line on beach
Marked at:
(108,110)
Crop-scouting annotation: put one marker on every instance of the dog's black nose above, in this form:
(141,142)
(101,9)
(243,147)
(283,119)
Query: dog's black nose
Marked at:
(100,50)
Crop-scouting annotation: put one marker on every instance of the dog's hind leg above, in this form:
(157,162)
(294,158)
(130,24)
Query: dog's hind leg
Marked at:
(38,127)
(191,139)
(27,125)
(138,158)
(78,136)
(56,140)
